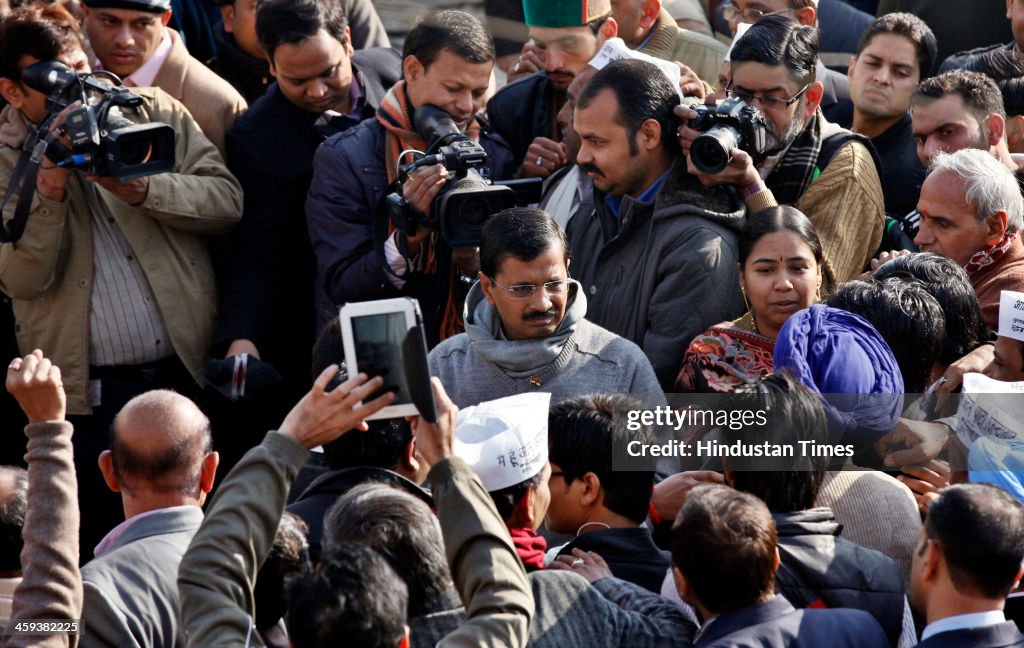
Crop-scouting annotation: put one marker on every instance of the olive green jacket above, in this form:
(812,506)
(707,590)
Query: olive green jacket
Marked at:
(218,573)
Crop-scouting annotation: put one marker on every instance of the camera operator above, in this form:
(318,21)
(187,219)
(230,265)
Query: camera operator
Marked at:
(823,170)
(110,278)
(446,62)
(70,44)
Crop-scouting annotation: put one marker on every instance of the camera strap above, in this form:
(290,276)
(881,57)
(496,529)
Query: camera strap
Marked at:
(24,175)
(38,145)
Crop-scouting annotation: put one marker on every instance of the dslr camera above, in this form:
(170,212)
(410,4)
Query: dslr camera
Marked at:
(730,125)
(103,142)
(468,199)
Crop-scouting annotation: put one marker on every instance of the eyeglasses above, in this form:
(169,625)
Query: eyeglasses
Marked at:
(527,291)
(732,14)
(767,103)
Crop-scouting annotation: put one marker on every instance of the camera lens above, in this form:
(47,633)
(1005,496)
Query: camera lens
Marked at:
(137,151)
(462,216)
(474,212)
(712,150)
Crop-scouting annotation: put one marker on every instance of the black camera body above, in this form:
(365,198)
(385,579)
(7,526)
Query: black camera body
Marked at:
(730,125)
(103,142)
(467,200)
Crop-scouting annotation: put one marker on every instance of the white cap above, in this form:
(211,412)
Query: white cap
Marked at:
(504,441)
(1011,314)
(615,49)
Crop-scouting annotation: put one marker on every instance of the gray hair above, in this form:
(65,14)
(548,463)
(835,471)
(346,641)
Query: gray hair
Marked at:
(403,529)
(991,187)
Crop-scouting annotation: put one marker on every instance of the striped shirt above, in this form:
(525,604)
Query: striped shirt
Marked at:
(125,325)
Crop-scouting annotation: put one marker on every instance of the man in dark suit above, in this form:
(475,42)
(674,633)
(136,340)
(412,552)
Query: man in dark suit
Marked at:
(725,557)
(967,560)
(266,268)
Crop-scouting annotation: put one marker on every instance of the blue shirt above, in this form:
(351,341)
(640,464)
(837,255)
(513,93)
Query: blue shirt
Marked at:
(615,202)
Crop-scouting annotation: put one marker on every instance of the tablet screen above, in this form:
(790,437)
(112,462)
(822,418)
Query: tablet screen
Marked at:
(378,345)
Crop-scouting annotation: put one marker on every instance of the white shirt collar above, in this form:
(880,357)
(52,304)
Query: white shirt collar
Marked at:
(964,622)
(145,76)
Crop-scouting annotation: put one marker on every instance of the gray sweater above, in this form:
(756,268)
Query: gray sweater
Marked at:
(572,612)
(581,358)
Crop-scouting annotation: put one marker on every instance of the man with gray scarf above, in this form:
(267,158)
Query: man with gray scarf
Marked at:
(526,326)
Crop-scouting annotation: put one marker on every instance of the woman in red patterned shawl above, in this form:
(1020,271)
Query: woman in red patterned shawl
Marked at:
(780,274)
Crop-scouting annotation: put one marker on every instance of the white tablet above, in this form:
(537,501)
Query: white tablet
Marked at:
(373,334)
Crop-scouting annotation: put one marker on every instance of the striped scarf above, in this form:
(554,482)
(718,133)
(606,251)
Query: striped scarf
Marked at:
(798,168)
(395,114)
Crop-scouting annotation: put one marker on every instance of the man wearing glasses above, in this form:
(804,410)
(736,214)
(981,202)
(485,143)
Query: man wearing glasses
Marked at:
(841,36)
(823,170)
(526,327)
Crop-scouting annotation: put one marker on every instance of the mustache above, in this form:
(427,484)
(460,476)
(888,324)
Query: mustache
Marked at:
(551,312)
(590,167)
(567,73)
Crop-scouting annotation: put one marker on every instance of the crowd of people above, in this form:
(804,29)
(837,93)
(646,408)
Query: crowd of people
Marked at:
(792,208)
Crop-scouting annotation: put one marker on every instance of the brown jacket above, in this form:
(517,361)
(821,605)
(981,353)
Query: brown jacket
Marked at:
(702,54)
(846,207)
(214,104)
(48,273)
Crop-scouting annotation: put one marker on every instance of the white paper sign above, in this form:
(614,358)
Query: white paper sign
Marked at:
(990,408)
(615,49)
(1011,314)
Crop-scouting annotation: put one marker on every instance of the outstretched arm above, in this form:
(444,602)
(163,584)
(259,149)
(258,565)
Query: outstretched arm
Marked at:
(218,572)
(487,572)
(51,586)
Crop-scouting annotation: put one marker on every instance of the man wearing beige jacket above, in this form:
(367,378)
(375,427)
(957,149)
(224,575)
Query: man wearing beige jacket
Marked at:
(130,38)
(112,279)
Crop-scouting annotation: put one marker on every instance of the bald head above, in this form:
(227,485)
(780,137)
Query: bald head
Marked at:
(158,443)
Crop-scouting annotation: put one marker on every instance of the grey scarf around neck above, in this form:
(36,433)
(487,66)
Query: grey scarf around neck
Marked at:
(483,326)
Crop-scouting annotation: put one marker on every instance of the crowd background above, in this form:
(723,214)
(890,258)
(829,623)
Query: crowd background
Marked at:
(842,250)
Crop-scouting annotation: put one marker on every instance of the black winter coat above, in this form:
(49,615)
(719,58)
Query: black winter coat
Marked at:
(819,568)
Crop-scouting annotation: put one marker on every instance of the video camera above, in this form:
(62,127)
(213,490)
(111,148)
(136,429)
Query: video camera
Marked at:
(103,141)
(469,198)
(730,125)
